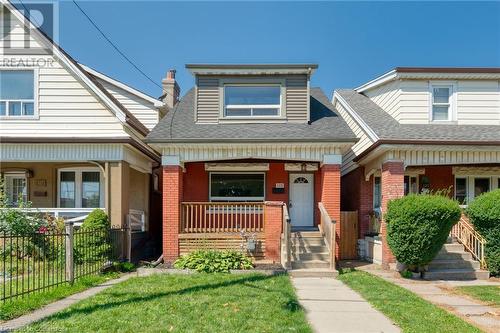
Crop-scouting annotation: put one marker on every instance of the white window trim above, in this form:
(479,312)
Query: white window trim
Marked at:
(494,184)
(35,115)
(78,185)
(16,174)
(379,209)
(452,111)
(241,199)
(280,82)
(409,182)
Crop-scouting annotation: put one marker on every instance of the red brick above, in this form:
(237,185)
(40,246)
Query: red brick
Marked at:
(172,197)
(330,197)
(273,219)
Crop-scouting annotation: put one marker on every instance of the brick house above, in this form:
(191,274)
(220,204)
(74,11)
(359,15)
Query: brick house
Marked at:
(243,146)
(419,129)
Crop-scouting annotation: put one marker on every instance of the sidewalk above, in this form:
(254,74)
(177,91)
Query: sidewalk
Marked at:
(485,317)
(57,306)
(333,307)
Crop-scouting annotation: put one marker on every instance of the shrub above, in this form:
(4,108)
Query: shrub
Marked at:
(97,219)
(484,213)
(418,226)
(92,243)
(213,261)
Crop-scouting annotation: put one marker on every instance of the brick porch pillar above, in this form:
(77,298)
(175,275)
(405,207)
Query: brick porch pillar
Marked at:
(172,197)
(392,187)
(273,221)
(330,193)
(365,203)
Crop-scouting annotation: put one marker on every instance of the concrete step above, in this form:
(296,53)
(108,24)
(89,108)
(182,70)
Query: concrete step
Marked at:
(310,264)
(313,272)
(452,247)
(309,241)
(440,264)
(453,255)
(324,256)
(456,274)
(306,234)
(304,248)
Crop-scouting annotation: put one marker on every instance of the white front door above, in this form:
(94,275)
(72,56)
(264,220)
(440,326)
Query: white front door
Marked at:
(301,199)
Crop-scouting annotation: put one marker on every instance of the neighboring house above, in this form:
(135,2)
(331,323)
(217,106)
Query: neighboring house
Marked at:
(246,140)
(72,138)
(420,130)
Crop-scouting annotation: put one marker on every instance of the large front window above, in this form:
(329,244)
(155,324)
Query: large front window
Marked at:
(80,188)
(236,186)
(16,188)
(252,100)
(469,187)
(17,93)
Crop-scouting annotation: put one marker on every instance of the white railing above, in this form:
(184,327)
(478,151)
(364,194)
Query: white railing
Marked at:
(137,220)
(473,242)
(287,228)
(76,215)
(327,227)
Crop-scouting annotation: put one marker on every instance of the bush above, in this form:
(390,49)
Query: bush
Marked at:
(484,213)
(92,242)
(418,226)
(213,261)
(97,219)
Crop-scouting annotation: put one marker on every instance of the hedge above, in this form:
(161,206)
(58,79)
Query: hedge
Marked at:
(418,225)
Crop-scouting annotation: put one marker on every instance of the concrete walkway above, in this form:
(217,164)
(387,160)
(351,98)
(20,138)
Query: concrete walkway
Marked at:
(332,307)
(439,292)
(57,306)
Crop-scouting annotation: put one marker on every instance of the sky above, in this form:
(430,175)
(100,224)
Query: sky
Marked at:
(352,42)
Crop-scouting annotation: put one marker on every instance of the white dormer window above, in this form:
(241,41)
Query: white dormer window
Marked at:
(252,101)
(442,102)
(17,94)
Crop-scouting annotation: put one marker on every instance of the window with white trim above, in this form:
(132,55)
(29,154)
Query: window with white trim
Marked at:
(80,188)
(441,102)
(237,186)
(411,184)
(377,193)
(252,100)
(469,187)
(16,187)
(17,94)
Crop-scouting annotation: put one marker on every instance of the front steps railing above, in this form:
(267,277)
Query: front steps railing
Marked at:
(327,228)
(473,242)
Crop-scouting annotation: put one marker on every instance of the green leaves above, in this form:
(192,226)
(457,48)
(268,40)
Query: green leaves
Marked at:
(213,261)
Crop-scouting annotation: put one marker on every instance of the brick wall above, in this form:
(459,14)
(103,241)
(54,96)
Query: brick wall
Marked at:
(357,194)
(195,182)
(330,196)
(273,219)
(392,188)
(440,177)
(172,197)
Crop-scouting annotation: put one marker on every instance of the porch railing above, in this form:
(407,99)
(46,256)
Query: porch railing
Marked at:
(327,227)
(287,231)
(75,215)
(473,242)
(137,220)
(217,217)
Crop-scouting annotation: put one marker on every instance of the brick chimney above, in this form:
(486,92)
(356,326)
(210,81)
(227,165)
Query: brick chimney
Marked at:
(171,90)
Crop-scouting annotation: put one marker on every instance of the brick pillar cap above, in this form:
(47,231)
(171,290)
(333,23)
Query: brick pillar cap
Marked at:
(274,203)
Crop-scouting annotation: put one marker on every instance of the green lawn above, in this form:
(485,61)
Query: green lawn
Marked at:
(407,310)
(21,305)
(186,303)
(487,294)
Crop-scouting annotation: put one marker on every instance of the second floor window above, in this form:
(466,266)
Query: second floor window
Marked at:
(441,102)
(252,101)
(17,93)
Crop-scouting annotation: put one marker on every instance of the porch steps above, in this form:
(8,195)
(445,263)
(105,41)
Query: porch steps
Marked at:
(310,256)
(454,263)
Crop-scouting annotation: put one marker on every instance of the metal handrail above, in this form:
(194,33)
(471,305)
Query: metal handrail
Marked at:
(287,228)
(328,230)
(473,242)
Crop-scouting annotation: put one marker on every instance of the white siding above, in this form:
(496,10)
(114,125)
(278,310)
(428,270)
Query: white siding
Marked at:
(297,99)
(66,106)
(143,110)
(364,141)
(408,101)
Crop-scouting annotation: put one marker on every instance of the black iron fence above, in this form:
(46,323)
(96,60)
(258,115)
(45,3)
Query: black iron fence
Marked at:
(34,262)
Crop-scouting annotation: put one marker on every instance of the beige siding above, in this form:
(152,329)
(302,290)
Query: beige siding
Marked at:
(297,99)
(364,141)
(143,110)
(387,97)
(207,100)
(408,101)
(210,90)
(66,106)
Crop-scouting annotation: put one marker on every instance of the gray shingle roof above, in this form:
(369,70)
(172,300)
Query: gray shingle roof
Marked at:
(326,125)
(387,128)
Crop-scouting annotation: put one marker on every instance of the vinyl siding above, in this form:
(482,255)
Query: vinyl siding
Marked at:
(143,110)
(295,97)
(408,101)
(66,106)
(364,141)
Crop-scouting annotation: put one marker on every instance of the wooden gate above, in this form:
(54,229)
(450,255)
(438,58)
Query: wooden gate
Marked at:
(348,234)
